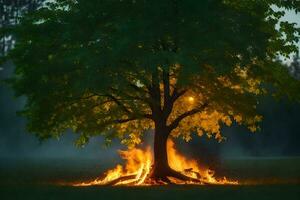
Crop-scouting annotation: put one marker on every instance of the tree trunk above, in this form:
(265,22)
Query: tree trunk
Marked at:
(161,167)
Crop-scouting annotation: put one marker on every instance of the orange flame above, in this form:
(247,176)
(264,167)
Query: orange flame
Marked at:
(191,168)
(138,167)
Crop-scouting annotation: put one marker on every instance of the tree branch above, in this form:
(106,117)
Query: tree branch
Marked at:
(166,82)
(176,94)
(120,121)
(168,105)
(176,122)
(155,96)
(138,89)
(132,97)
(117,101)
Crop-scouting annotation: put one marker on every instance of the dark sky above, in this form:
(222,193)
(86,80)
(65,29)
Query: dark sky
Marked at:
(280,135)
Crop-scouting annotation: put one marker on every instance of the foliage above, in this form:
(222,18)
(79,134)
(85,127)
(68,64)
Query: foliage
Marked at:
(10,13)
(121,67)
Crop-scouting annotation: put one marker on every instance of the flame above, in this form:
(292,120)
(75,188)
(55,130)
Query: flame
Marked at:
(191,168)
(138,168)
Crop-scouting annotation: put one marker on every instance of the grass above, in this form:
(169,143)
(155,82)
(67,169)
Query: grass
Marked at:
(277,178)
(44,192)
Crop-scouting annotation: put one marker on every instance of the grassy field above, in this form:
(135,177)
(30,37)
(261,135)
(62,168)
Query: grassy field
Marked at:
(274,192)
(267,178)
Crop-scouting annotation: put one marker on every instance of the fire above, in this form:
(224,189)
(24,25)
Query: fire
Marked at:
(191,168)
(138,168)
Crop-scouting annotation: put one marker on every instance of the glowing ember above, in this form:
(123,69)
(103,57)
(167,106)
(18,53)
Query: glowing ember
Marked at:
(138,168)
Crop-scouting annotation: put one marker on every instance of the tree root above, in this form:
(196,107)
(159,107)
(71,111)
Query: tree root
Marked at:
(182,177)
(120,179)
(164,178)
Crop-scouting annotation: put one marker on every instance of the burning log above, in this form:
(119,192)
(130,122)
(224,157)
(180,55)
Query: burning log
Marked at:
(121,179)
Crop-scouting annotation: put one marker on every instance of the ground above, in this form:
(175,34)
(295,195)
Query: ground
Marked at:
(274,192)
(278,179)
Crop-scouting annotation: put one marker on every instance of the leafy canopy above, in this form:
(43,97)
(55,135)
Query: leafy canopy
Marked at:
(120,67)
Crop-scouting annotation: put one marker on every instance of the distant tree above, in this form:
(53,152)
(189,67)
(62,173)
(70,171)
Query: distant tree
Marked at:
(10,13)
(118,68)
(295,67)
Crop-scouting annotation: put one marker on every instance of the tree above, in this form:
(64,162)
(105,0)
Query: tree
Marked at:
(10,13)
(295,67)
(119,68)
